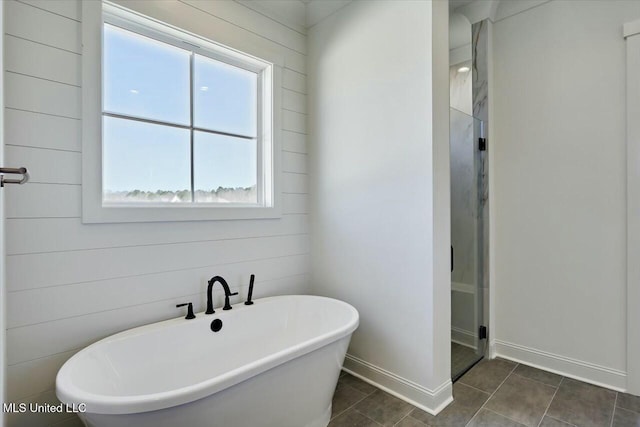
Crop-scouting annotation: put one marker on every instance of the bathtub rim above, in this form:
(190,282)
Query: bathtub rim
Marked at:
(68,393)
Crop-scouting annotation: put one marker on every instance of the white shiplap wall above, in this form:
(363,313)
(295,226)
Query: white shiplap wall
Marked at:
(70,284)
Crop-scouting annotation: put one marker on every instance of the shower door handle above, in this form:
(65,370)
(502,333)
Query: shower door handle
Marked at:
(452,258)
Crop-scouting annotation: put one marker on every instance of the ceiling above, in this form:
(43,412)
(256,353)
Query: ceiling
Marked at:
(298,15)
(317,10)
(302,14)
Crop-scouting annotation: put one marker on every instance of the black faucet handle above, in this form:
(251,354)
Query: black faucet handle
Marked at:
(190,314)
(227,305)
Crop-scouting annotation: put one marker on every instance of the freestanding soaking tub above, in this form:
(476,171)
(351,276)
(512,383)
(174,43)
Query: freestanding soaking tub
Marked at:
(272,364)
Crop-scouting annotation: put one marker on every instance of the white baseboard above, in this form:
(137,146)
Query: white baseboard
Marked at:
(562,365)
(431,401)
(464,337)
(492,349)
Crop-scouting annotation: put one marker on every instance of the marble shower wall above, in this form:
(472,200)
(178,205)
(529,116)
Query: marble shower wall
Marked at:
(480,84)
(480,70)
(460,88)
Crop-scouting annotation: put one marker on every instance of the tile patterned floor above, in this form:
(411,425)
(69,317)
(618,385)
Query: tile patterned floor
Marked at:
(495,393)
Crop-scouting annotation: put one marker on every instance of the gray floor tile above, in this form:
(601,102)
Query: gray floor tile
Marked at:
(486,418)
(582,404)
(357,383)
(488,374)
(538,375)
(410,422)
(522,400)
(467,401)
(624,418)
(628,401)
(344,397)
(547,421)
(352,418)
(384,408)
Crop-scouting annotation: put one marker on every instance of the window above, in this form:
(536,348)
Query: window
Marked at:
(186,127)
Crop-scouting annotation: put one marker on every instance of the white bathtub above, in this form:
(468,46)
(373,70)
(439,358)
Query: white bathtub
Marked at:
(275,363)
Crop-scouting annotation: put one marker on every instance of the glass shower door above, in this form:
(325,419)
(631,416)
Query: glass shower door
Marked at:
(467,346)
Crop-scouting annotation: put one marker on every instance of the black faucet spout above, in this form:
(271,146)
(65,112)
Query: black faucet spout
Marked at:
(227,294)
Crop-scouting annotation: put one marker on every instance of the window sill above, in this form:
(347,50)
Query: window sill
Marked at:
(119,214)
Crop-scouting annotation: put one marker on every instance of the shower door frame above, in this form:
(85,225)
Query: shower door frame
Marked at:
(478,159)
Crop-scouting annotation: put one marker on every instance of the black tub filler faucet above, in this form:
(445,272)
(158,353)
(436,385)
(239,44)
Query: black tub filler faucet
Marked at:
(227,294)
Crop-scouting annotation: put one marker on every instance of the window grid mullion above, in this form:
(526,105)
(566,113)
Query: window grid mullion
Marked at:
(174,125)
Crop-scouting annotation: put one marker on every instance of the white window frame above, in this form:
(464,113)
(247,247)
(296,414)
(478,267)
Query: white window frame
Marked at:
(94,210)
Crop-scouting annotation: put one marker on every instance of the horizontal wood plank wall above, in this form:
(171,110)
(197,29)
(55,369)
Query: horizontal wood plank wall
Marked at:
(71,284)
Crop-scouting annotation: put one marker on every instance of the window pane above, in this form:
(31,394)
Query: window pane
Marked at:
(225,97)
(144,77)
(143,162)
(224,169)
